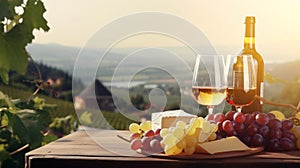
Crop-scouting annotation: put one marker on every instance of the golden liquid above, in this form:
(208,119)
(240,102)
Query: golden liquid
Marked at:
(209,96)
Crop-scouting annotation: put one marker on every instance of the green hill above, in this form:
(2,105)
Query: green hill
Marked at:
(63,109)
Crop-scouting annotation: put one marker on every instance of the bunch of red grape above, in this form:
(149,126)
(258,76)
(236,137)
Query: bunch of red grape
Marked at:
(256,129)
(149,142)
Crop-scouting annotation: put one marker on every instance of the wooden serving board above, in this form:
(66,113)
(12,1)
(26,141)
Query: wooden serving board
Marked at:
(198,156)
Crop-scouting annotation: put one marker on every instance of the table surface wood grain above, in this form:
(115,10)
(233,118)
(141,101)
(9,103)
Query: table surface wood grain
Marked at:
(103,148)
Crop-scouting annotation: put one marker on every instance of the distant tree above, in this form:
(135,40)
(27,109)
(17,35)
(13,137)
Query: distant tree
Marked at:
(138,101)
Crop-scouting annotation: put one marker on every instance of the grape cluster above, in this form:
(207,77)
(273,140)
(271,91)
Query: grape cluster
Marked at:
(142,137)
(183,138)
(296,131)
(256,129)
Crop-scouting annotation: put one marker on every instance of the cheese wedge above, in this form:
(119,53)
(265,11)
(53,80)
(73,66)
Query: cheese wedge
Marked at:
(167,119)
(228,144)
(167,122)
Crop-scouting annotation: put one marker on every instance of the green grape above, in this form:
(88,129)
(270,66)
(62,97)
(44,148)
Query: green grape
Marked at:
(190,130)
(178,132)
(206,127)
(149,124)
(181,143)
(172,150)
(195,122)
(134,127)
(171,129)
(164,132)
(170,139)
(145,126)
(191,140)
(189,150)
(180,124)
(201,119)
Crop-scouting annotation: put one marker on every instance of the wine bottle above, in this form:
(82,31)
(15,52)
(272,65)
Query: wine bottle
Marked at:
(249,49)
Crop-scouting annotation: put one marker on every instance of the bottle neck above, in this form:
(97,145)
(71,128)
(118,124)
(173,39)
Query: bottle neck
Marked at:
(249,39)
(249,42)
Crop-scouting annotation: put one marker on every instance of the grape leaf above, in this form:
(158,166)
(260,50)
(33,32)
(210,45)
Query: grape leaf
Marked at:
(36,137)
(13,55)
(12,4)
(33,15)
(5,12)
(35,121)
(17,126)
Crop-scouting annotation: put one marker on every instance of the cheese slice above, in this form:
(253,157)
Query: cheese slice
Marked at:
(228,144)
(167,119)
(167,122)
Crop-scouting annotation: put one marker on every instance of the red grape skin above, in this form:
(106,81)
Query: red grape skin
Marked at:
(210,117)
(157,132)
(134,135)
(220,127)
(246,139)
(264,131)
(255,113)
(146,143)
(220,135)
(256,140)
(271,116)
(287,124)
(219,117)
(155,146)
(229,115)
(158,137)
(275,133)
(135,144)
(239,127)
(149,133)
(275,123)
(239,117)
(262,119)
(252,128)
(227,126)
(286,144)
(289,135)
(249,118)
(273,145)
(232,133)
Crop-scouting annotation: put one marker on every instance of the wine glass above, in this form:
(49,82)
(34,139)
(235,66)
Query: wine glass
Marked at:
(209,81)
(241,89)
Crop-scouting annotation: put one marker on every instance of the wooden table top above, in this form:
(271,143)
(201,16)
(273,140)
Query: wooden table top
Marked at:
(102,148)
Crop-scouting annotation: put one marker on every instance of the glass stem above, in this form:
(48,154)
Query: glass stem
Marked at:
(238,108)
(210,109)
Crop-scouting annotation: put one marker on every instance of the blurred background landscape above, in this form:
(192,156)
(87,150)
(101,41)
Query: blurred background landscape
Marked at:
(139,73)
(56,52)
(56,63)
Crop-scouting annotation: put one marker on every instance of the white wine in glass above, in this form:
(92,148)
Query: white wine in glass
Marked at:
(209,81)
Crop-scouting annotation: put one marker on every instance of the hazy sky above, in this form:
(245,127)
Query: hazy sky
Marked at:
(73,22)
